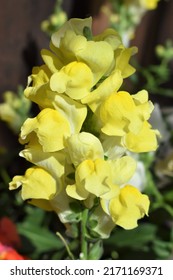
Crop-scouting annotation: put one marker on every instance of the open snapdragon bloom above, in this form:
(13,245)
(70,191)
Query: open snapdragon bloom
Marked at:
(79,142)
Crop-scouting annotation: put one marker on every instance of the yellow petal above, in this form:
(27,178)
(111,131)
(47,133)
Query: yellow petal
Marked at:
(41,203)
(98,56)
(144,141)
(110,36)
(50,127)
(39,92)
(51,162)
(74,79)
(127,208)
(36,184)
(75,24)
(111,84)
(122,62)
(73,111)
(123,169)
(91,178)
(84,146)
(77,192)
(52,61)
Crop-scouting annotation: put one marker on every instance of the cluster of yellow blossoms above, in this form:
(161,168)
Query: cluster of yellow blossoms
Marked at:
(81,140)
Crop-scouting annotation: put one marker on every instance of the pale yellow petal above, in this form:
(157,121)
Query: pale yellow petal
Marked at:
(50,127)
(74,79)
(144,141)
(36,184)
(84,146)
(127,208)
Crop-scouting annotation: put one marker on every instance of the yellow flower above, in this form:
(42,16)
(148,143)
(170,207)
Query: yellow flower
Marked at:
(122,58)
(101,178)
(50,127)
(102,55)
(36,184)
(126,117)
(38,89)
(76,64)
(52,162)
(41,189)
(70,44)
(91,178)
(103,90)
(127,207)
(84,146)
(75,79)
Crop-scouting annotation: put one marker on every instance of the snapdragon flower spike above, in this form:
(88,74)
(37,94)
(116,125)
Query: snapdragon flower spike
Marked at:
(78,141)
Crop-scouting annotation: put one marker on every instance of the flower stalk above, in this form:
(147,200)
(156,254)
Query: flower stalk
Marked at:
(84,243)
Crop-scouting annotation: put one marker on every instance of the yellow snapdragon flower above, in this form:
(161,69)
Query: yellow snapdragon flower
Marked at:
(52,162)
(75,79)
(127,207)
(36,184)
(41,189)
(76,64)
(125,117)
(52,126)
(38,89)
(101,178)
(84,146)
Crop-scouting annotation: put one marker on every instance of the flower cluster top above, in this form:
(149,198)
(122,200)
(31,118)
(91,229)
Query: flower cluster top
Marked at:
(81,140)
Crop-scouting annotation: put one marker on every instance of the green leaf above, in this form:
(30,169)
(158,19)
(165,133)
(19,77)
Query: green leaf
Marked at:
(168,196)
(162,248)
(135,238)
(96,251)
(40,236)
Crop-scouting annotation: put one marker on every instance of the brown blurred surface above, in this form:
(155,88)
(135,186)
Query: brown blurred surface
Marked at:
(21,39)
(20,42)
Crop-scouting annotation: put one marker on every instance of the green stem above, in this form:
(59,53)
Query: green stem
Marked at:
(84,244)
(66,245)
